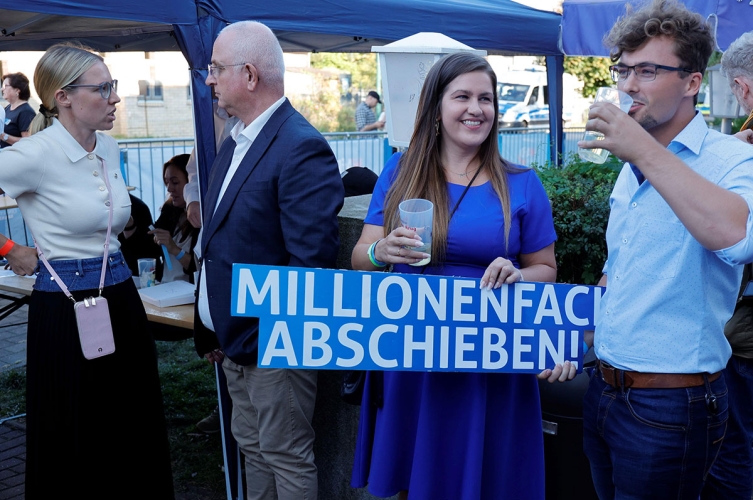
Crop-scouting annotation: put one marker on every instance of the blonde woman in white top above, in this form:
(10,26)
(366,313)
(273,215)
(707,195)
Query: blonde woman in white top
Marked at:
(87,419)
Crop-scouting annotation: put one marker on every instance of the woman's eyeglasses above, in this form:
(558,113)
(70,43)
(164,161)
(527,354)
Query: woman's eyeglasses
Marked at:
(105,89)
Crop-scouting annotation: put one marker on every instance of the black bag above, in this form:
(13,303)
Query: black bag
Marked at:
(351,390)
(739,329)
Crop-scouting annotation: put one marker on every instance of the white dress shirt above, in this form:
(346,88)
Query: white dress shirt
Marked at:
(244,137)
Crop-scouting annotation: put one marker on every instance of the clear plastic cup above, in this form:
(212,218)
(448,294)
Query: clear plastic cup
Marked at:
(619,99)
(418,215)
(147,269)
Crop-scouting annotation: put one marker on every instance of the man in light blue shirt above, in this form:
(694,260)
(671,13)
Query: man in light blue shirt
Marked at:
(656,409)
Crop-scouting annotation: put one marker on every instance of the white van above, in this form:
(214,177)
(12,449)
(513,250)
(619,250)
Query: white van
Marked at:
(523,98)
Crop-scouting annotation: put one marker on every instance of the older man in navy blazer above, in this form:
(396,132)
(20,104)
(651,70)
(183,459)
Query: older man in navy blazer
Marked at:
(273,197)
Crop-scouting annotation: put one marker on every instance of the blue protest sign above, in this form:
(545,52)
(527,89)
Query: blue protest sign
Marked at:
(354,320)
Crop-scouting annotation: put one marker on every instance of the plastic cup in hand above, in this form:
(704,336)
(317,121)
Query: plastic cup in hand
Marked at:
(418,215)
(147,268)
(619,99)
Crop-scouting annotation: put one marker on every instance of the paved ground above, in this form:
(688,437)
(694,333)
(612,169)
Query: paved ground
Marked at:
(13,338)
(12,459)
(12,431)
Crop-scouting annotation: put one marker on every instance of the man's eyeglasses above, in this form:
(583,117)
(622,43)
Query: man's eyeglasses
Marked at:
(644,72)
(105,89)
(215,70)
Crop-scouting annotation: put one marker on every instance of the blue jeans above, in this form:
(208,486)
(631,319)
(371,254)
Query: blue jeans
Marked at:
(82,274)
(646,444)
(731,476)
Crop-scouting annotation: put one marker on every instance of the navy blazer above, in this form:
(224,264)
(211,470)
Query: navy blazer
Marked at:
(279,209)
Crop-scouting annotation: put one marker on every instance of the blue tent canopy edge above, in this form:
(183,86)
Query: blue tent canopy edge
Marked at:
(498,26)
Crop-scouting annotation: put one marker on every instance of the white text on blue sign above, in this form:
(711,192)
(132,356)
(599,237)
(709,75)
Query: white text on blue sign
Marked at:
(353,320)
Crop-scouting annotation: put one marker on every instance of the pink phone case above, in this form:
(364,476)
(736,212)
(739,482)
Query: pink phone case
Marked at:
(94,327)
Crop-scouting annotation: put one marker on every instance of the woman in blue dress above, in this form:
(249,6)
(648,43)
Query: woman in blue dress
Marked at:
(457,435)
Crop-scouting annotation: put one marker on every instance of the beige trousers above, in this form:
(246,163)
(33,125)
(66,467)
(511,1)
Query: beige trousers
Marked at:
(271,421)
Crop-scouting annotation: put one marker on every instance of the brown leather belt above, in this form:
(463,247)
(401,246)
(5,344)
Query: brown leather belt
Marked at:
(623,379)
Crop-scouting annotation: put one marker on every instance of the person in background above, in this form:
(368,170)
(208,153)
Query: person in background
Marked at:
(95,427)
(18,113)
(679,230)
(172,229)
(273,196)
(365,118)
(737,65)
(731,476)
(457,435)
(223,124)
(135,241)
(2,121)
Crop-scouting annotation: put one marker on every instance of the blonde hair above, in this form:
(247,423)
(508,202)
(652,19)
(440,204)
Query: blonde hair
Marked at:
(60,66)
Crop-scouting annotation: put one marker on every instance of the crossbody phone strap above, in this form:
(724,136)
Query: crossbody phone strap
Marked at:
(107,246)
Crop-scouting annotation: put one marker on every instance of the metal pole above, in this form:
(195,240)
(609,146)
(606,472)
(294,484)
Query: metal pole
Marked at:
(726,127)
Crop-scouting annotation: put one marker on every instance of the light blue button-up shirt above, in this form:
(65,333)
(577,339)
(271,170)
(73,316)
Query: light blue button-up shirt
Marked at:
(668,297)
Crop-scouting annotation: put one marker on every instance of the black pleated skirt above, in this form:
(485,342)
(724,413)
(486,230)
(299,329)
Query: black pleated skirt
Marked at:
(95,428)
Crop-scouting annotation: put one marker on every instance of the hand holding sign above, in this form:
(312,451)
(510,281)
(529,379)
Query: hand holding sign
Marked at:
(500,272)
(562,372)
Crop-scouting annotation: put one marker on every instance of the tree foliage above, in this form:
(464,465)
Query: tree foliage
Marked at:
(592,71)
(362,67)
(322,107)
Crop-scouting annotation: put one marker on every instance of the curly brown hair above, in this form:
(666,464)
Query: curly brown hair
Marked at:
(692,35)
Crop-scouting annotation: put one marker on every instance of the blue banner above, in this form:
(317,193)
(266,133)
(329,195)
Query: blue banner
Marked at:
(354,320)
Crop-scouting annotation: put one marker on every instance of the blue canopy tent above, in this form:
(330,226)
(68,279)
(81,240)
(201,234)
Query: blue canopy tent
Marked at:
(585,22)
(497,26)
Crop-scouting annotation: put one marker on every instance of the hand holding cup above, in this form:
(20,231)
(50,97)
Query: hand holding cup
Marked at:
(613,96)
(400,247)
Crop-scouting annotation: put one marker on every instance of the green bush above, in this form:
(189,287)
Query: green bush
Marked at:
(579,192)
(12,392)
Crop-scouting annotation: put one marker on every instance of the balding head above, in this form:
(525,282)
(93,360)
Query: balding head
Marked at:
(254,43)
(248,71)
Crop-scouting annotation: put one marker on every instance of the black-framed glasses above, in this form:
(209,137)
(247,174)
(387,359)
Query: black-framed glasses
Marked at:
(105,89)
(214,70)
(645,72)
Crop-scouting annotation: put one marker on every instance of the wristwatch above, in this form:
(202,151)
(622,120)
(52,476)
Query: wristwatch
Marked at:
(4,137)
